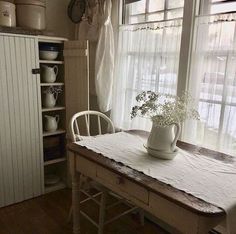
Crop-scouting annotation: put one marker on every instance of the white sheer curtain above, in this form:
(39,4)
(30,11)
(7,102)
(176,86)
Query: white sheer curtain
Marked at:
(104,62)
(148,59)
(213,82)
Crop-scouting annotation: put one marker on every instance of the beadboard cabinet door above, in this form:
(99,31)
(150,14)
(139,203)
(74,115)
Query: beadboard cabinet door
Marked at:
(20,141)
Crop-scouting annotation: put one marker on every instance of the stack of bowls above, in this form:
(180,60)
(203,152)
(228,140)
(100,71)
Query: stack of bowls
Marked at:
(48,51)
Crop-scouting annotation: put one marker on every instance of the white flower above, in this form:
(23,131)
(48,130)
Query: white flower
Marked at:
(164,109)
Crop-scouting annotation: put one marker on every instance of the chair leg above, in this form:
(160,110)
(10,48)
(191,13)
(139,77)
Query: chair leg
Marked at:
(102,211)
(141,217)
(69,218)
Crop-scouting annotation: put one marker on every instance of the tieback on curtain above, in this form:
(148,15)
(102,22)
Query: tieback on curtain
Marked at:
(152,26)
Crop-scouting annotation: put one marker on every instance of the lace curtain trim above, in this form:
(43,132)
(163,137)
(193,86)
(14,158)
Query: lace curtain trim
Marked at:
(213,19)
(152,26)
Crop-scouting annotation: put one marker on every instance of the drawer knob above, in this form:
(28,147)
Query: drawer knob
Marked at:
(120,180)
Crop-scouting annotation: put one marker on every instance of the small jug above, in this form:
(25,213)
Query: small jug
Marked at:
(51,123)
(50,100)
(49,74)
(163,139)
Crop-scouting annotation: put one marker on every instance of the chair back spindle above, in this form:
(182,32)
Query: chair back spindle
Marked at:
(74,124)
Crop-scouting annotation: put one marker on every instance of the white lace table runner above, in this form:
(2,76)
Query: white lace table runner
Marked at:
(206,178)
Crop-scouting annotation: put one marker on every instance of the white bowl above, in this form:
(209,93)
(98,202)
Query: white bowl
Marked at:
(48,55)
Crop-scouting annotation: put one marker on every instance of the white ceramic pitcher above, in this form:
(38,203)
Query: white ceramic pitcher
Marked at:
(49,100)
(163,139)
(51,123)
(49,74)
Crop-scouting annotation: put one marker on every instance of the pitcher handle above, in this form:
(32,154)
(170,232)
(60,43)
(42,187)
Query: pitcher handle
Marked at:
(55,68)
(56,96)
(176,136)
(57,118)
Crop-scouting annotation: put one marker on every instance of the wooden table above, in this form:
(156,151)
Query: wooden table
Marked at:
(180,210)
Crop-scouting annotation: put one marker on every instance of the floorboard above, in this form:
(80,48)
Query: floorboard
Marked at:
(48,215)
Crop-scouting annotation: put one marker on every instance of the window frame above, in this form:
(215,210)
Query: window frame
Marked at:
(147,13)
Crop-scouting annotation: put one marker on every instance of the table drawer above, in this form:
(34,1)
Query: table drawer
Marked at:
(86,167)
(123,184)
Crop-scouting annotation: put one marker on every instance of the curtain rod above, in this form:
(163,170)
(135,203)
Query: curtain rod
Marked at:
(215,14)
(151,22)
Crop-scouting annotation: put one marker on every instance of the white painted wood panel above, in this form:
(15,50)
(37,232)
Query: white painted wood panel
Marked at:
(6,128)
(20,139)
(76,78)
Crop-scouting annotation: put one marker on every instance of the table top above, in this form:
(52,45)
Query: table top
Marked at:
(168,192)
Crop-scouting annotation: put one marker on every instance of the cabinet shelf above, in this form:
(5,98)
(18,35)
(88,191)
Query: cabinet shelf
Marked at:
(52,84)
(54,143)
(57,186)
(58,132)
(51,62)
(53,108)
(53,161)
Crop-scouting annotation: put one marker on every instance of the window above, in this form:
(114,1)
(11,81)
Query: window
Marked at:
(148,59)
(152,10)
(148,55)
(214,73)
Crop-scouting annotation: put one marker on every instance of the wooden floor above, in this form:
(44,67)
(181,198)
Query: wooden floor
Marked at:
(48,214)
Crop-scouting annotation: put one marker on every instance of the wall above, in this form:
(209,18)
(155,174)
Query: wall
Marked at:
(57,19)
(58,23)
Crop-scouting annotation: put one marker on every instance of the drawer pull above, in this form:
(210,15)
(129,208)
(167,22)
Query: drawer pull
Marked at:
(120,180)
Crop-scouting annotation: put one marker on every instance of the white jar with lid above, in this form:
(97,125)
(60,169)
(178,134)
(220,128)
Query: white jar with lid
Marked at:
(31,14)
(7,14)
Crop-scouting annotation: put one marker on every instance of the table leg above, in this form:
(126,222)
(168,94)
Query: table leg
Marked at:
(75,198)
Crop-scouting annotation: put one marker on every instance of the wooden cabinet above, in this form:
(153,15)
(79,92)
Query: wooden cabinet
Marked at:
(21,169)
(22,137)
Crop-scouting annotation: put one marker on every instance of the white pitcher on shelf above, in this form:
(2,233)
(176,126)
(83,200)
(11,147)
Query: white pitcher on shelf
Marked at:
(51,123)
(50,100)
(49,74)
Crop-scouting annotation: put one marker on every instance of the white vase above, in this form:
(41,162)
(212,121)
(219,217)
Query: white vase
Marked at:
(51,123)
(162,141)
(49,100)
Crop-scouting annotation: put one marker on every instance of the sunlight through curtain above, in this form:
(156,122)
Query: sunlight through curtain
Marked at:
(213,83)
(148,59)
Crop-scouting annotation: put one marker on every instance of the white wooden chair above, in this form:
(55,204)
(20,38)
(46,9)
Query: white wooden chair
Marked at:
(102,191)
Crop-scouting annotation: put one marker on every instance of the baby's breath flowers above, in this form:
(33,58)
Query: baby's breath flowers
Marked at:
(165,109)
(53,90)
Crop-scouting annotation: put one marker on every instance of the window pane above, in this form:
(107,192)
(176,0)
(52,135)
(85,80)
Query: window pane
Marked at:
(152,10)
(223,7)
(229,130)
(217,6)
(175,4)
(136,19)
(178,13)
(156,17)
(208,128)
(156,5)
(212,83)
(221,37)
(137,7)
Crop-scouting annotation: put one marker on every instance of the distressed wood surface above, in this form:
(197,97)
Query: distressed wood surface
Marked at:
(168,192)
(19,30)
